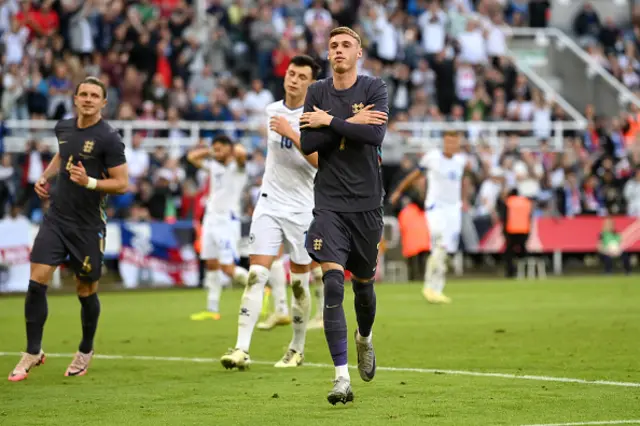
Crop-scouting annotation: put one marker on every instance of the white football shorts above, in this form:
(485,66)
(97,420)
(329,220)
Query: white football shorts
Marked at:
(220,237)
(270,230)
(444,224)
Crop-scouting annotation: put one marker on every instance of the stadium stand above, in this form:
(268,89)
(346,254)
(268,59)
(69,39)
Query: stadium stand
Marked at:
(183,77)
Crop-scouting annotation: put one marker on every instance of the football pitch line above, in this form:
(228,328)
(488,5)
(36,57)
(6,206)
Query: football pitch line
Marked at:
(610,422)
(390,369)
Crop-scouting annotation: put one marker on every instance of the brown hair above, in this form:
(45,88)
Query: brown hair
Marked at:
(345,30)
(95,81)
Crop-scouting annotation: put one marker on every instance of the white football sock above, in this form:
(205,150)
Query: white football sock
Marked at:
(251,305)
(278,283)
(428,274)
(214,289)
(240,276)
(442,274)
(319,290)
(436,264)
(343,371)
(224,279)
(301,310)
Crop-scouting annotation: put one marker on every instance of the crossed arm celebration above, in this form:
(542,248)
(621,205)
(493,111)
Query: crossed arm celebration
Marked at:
(365,127)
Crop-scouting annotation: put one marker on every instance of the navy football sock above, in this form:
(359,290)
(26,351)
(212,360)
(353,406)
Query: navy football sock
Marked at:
(35,314)
(335,323)
(365,305)
(90,313)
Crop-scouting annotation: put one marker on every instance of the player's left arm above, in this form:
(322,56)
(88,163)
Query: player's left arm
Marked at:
(117,182)
(427,161)
(311,158)
(368,134)
(404,185)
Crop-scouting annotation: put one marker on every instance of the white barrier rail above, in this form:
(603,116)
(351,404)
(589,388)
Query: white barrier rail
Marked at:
(423,133)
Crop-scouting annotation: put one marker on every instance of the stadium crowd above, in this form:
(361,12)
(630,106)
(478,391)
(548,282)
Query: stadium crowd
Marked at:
(612,46)
(442,60)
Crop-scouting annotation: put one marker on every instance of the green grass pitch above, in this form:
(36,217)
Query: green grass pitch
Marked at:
(576,328)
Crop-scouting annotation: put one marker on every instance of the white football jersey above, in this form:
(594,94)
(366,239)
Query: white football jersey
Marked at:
(226,183)
(444,178)
(287,184)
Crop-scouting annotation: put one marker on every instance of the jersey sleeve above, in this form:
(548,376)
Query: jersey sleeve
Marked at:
(114,155)
(427,161)
(366,133)
(462,160)
(312,140)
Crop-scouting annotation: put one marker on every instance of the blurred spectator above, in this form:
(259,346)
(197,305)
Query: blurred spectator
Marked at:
(14,41)
(137,159)
(609,34)
(539,13)
(490,190)
(586,24)
(60,92)
(7,173)
(632,194)
(610,248)
(265,38)
(14,99)
(432,25)
(257,99)
(34,160)
(472,44)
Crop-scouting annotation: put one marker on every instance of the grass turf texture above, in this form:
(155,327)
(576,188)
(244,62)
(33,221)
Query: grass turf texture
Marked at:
(585,328)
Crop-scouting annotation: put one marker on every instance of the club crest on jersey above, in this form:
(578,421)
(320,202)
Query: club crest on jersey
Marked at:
(317,244)
(88,147)
(356,108)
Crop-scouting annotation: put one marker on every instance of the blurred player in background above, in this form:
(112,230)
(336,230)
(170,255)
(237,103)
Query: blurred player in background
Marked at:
(443,209)
(278,314)
(277,292)
(75,224)
(282,216)
(344,121)
(225,162)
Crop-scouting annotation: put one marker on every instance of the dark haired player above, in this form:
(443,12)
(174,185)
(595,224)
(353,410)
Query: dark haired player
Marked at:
(344,120)
(225,161)
(90,163)
(282,216)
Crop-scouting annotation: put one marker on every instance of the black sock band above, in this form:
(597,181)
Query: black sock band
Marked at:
(35,314)
(90,313)
(365,305)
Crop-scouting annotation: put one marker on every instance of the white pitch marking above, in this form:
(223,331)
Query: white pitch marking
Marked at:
(610,422)
(392,369)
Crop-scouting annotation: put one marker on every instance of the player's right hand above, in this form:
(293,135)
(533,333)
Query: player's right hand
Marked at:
(281,126)
(41,188)
(366,116)
(395,197)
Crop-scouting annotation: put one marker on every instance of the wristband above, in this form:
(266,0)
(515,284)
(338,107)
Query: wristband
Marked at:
(92,183)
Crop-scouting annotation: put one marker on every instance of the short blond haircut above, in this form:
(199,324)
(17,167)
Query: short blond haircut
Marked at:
(345,30)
